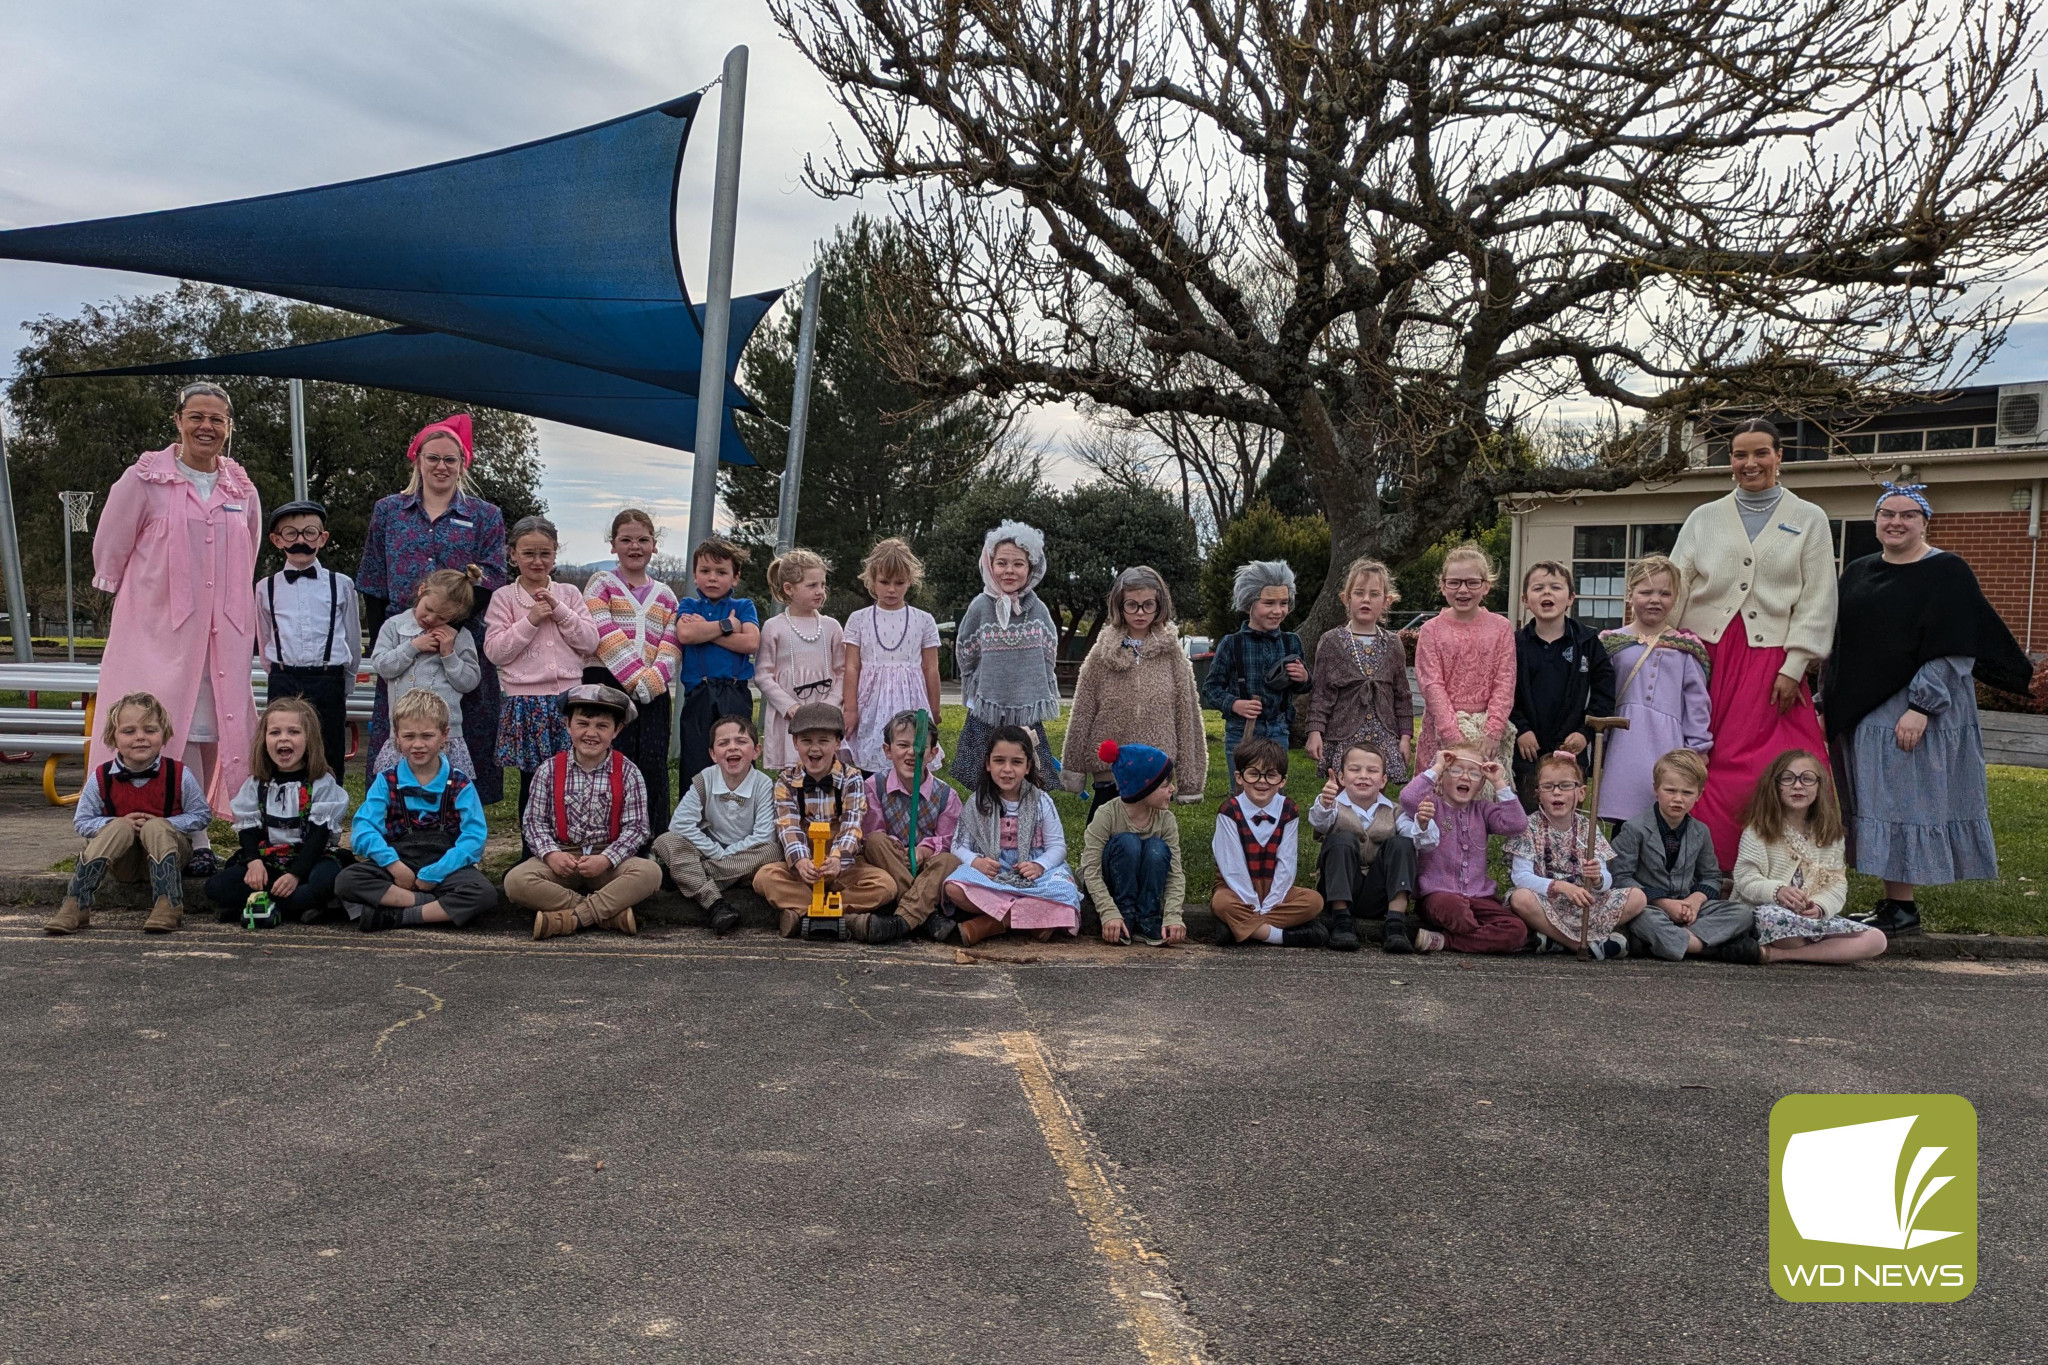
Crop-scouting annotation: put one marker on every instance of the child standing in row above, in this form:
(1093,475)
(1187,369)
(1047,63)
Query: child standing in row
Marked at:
(1564,890)
(138,815)
(1791,871)
(1258,667)
(1131,861)
(801,652)
(636,651)
(1007,648)
(289,817)
(1013,854)
(426,646)
(1359,691)
(1445,811)
(891,655)
(537,632)
(1465,663)
(1663,674)
(718,633)
(724,827)
(1136,687)
(309,625)
(1562,676)
(1669,857)
(1258,835)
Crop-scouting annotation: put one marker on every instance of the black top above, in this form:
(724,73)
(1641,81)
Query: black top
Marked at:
(1558,683)
(1893,618)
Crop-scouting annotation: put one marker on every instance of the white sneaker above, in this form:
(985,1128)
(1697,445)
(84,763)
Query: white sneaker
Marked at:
(1429,941)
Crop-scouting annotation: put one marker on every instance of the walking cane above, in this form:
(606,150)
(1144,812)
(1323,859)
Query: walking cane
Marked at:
(1599,725)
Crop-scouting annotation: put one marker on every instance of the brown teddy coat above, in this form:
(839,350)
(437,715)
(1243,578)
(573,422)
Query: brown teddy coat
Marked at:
(1148,697)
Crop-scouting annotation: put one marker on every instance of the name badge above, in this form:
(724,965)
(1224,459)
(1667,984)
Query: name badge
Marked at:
(465,525)
(231,507)
(1783,526)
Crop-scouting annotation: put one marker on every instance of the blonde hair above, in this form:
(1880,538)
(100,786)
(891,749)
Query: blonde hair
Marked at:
(1646,568)
(785,571)
(892,558)
(1683,763)
(309,722)
(456,587)
(145,702)
(420,704)
(1367,567)
(1469,551)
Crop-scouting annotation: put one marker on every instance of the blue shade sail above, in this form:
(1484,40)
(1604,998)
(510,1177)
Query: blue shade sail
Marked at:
(564,247)
(413,360)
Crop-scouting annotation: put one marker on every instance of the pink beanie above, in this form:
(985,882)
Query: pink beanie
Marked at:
(457,426)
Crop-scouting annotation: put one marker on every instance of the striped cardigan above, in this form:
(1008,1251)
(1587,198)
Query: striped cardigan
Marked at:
(635,640)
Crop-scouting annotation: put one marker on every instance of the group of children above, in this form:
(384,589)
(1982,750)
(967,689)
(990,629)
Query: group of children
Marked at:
(588,678)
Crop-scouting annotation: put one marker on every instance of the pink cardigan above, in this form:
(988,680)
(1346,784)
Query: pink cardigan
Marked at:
(538,661)
(1463,666)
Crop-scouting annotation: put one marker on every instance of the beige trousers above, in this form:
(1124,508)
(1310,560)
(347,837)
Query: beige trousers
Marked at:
(916,897)
(1298,906)
(130,851)
(533,885)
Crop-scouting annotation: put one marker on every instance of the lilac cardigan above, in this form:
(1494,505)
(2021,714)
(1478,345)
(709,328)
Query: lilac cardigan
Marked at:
(1457,861)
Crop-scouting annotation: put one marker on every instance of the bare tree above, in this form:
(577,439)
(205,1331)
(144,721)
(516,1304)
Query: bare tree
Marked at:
(1469,207)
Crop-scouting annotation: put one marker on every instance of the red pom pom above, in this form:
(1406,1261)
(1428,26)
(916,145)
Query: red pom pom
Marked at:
(1107,751)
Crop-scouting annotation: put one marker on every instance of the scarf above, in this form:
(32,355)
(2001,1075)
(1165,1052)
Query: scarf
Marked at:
(984,828)
(1031,541)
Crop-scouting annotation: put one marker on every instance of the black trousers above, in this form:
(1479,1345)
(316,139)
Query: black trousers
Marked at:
(703,704)
(1366,888)
(326,691)
(645,745)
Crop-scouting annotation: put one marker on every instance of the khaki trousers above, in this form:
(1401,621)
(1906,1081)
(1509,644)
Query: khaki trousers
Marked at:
(916,897)
(862,889)
(1298,906)
(533,885)
(129,852)
(704,878)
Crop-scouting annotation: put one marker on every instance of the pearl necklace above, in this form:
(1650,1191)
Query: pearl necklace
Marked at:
(810,639)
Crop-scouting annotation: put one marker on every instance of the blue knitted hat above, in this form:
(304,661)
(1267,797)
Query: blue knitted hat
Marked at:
(1137,768)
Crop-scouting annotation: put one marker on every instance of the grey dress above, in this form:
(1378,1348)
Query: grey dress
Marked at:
(1924,818)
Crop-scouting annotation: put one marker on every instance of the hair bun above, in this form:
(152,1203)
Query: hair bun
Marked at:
(1108,750)
(473,573)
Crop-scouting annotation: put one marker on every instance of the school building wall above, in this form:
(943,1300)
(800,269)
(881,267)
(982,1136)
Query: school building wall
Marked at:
(1983,503)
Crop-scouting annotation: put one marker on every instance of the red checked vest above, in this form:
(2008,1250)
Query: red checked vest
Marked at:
(559,785)
(1261,860)
(163,794)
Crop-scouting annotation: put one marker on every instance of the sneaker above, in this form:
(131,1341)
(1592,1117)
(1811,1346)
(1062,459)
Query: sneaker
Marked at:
(885,929)
(1314,934)
(377,917)
(1343,932)
(1898,919)
(1430,941)
(725,917)
(1607,949)
(1540,942)
(1743,950)
(1394,938)
(1869,916)
(1150,942)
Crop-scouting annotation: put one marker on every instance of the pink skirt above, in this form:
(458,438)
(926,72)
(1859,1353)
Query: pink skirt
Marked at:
(1748,734)
(1024,912)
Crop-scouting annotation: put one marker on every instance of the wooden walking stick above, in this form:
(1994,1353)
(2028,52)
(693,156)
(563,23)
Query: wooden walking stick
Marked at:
(1599,725)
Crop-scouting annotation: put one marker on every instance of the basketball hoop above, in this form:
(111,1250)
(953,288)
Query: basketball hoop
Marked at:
(77,508)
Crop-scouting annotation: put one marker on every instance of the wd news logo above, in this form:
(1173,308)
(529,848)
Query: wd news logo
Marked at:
(1873,1198)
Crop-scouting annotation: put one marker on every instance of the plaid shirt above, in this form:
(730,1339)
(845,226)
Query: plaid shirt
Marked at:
(588,804)
(1248,656)
(838,798)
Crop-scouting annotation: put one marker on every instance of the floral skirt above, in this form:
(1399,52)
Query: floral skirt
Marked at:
(1775,922)
(1603,916)
(530,732)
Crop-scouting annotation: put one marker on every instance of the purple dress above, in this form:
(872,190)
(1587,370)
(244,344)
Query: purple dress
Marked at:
(403,547)
(1665,700)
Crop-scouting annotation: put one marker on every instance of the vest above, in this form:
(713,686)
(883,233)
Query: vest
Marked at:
(1261,860)
(163,794)
(558,782)
(401,821)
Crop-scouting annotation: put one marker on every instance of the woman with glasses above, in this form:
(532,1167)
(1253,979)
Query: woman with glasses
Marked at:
(176,545)
(1756,582)
(1136,687)
(1914,633)
(439,522)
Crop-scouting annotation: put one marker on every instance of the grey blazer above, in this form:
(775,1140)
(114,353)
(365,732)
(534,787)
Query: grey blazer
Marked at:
(1639,860)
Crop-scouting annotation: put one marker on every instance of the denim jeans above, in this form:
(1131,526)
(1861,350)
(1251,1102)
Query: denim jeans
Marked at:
(1136,868)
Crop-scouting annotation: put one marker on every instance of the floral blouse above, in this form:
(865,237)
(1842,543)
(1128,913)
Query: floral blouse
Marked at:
(403,546)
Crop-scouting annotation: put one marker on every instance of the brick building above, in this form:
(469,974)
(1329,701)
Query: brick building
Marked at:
(1982,452)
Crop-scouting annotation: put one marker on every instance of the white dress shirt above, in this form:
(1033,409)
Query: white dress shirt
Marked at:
(1229,852)
(304,634)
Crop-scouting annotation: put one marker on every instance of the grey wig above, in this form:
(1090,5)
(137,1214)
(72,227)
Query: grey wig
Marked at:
(1257,576)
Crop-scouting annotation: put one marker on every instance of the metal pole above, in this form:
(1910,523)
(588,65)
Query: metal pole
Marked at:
(10,561)
(298,387)
(70,613)
(799,416)
(725,203)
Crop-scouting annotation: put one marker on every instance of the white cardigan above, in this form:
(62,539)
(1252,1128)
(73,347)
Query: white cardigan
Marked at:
(1782,584)
(1761,868)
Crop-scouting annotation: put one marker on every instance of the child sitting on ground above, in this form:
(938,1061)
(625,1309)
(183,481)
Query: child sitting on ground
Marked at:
(1013,854)
(419,832)
(1445,812)
(139,813)
(886,828)
(288,815)
(1790,868)
(822,789)
(724,827)
(1562,675)
(1669,857)
(1559,868)
(428,647)
(587,826)
(1367,866)
(1258,835)
(1258,666)
(1130,860)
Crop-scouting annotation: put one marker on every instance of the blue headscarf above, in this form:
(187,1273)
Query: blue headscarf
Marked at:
(1916,491)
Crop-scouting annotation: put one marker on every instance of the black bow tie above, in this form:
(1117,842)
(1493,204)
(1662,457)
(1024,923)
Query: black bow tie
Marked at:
(1262,819)
(138,778)
(294,575)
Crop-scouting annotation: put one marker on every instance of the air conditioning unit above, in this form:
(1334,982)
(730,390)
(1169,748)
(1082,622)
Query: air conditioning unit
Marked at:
(2023,414)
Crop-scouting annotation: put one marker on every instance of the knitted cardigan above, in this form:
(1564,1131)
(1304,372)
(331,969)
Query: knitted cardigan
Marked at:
(1148,697)
(645,668)
(1006,672)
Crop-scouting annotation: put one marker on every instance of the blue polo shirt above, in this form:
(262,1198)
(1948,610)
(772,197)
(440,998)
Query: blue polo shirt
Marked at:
(713,660)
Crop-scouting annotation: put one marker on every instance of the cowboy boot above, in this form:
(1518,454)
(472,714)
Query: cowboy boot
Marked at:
(554,923)
(76,911)
(167,911)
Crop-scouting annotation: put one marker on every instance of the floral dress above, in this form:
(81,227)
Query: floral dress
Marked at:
(1545,851)
(1817,870)
(892,646)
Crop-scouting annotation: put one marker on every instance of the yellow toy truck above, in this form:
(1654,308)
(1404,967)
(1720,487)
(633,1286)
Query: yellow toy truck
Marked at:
(826,917)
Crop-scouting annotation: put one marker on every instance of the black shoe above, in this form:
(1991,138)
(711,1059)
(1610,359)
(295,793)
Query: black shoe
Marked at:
(1743,950)
(941,927)
(1394,938)
(725,917)
(376,917)
(1224,938)
(1314,934)
(1870,916)
(314,915)
(1897,919)
(1343,931)
(224,915)
(885,929)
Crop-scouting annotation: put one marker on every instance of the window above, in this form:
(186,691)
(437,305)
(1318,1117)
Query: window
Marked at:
(1599,566)
(1952,438)
(1898,442)
(1652,538)
(1857,445)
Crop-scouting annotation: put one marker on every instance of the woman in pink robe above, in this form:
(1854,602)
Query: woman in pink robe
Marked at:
(177,546)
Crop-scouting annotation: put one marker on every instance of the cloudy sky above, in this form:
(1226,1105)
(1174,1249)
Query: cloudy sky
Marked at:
(121,106)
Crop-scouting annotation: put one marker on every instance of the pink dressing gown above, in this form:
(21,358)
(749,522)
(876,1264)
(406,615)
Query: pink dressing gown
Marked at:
(183,573)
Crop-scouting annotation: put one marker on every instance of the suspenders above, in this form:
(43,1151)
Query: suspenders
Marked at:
(333,616)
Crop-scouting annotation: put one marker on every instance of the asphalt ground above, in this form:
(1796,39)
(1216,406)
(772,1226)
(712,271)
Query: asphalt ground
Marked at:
(312,1146)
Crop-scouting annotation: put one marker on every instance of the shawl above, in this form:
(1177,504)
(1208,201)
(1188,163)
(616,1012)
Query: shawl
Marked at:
(983,829)
(1621,639)
(1895,617)
(1031,541)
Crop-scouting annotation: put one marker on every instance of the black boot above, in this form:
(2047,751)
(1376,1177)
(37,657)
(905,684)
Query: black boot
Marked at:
(1898,919)
(1343,930)
(725,917)
(1743,950)
(1394,938)
(1314,934)
(885,929)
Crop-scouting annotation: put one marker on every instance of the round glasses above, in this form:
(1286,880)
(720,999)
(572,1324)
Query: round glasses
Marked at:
(1799,779)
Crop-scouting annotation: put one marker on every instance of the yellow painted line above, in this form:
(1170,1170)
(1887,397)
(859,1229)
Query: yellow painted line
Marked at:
(1136,1276)
(434,1008)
